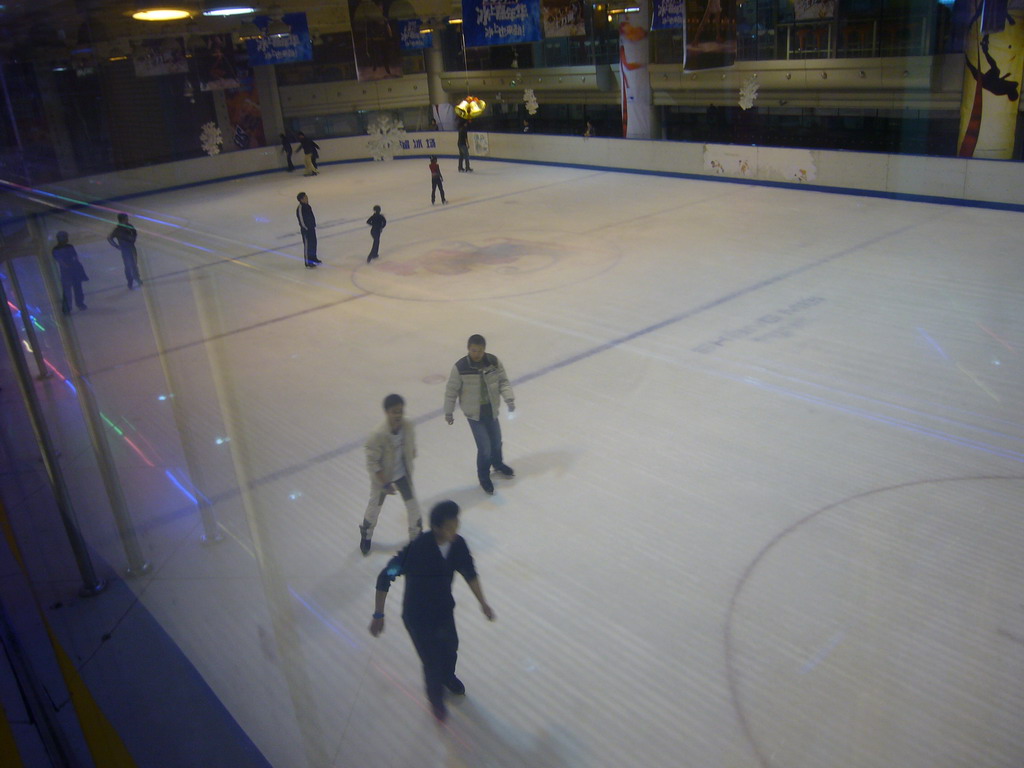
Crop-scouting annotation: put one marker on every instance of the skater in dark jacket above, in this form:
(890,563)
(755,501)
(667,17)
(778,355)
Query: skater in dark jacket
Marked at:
(123,238)
(307,226)
(463,143)
(72,273)
(436,181)
(377,223)
(429,564)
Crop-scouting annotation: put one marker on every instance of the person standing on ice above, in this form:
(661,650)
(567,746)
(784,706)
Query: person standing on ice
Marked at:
(377,223)
(436,181)
(123,238)
(390,452)
(307,227)
(72,273)
(429,564)
(479,383)
(463,144)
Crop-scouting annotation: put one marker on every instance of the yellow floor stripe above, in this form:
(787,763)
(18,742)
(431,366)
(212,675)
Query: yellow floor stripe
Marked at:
(103,740)
(9,755)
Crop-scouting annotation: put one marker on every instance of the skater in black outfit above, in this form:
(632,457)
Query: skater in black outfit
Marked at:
(72,273)
(123,238)
(429,564)
(286,147)
(464,146)
(436,181)
(377,223)
(307,226)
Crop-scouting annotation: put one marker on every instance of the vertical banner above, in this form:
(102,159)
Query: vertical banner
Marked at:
(563,18)
(163,56)
(992,78)
(281,49)
(409,36)
(215,64)
(634,57)
(246,118)
(500,22)
(711,39)
(375,40)
(669,14)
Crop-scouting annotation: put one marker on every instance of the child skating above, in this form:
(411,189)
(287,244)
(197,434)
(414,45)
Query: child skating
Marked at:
(377,223)
(436,181)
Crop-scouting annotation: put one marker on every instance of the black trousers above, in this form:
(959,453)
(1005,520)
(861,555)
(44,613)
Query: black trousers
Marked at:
(309,245)
(131,265)
(375,234)
(71,286)
(436,184)
(437,644)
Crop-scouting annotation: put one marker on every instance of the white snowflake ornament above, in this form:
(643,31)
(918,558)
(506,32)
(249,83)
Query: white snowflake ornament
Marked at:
(748,92)
(210,139)
(385,133)
(530,99)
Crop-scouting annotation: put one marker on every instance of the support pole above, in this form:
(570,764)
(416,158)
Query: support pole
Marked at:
(26,321)
(211,530)
(91,584)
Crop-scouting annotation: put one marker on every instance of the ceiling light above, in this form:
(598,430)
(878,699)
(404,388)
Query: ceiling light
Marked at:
(161,14)
(454,21)
(228,11)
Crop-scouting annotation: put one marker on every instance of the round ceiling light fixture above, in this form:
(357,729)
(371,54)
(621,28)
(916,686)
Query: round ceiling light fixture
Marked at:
(156,11)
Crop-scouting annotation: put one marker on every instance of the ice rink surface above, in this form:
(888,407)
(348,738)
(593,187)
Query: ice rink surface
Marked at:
(768,447)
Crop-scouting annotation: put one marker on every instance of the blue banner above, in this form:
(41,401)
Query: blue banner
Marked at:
(669,14)
(500,22)
(283,49)
(409,36)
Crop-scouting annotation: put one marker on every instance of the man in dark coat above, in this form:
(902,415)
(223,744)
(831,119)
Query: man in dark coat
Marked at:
(429,564)
(377,223)
(123,238)
(72,273)
(464,146)
(307,226)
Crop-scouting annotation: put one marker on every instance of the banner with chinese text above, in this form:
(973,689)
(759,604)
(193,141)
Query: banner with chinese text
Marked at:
(283,49)
(669,14)
(162,56)
(409,36)
(500,22)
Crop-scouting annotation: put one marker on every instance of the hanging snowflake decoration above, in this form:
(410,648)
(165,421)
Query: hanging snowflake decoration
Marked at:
(530,99)
(748,92)
(385,134)
(210,139)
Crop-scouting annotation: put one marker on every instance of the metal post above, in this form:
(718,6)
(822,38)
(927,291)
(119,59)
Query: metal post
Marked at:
(137,564)
(91,584)
(275,586)
(211,530)
(26,321)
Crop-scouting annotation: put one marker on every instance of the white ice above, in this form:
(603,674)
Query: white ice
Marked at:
(768,449)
